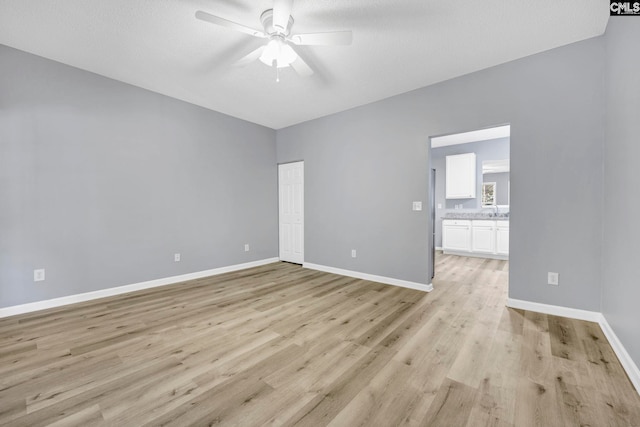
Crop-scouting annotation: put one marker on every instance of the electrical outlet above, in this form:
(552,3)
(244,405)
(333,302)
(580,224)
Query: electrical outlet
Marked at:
(246,247)
(553,278)
(176,257)
(353,253)
(38,275)
(439,205)
(417,206)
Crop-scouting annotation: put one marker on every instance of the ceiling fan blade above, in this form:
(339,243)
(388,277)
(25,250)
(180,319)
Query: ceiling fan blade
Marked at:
(336,38)
(281,13)
(301,67)
(204,16)
(247,59)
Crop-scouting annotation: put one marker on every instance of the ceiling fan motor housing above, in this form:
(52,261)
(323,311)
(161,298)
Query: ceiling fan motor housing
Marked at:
(267,23)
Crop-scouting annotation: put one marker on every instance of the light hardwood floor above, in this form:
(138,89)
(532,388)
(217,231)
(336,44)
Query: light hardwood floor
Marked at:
(282,345)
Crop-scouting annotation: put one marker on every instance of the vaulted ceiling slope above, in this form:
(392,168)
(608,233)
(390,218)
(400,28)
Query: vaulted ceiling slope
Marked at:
(397,46)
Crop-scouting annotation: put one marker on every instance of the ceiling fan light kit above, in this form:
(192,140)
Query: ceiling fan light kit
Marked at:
(279,52)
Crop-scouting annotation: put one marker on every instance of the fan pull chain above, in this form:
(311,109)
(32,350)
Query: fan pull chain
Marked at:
(275,65)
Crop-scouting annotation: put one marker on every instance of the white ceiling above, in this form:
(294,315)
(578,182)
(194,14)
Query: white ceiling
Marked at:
(397,46)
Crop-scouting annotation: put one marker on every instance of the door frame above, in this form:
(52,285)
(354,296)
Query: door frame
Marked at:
(430,166)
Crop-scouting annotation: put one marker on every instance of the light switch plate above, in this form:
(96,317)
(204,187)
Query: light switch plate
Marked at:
(417,206)
(553,278)
(38,275)
(176,257)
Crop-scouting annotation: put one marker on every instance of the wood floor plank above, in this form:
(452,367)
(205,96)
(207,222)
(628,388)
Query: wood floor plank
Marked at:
(496,400)
(578,407)
(537,405)
(474,354)
(322,409)
(451,406)
(109,386)
(536,358)
(13,408)
(222,401)
(564,340)
(90,416)
(379,403)
(283,345)
(512,321)
(318,356)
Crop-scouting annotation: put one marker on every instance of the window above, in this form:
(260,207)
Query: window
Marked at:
(488,194)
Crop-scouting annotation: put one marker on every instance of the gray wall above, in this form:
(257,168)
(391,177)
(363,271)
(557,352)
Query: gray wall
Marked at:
(502,186)
(364,166)
(621,270)
(101,182)
(495,149)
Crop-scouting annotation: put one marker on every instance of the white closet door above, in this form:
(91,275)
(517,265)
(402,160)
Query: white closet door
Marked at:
(291,211)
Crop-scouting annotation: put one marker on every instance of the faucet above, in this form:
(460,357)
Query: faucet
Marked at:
(495,210)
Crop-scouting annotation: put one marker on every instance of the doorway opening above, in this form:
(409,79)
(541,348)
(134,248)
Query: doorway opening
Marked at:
(470,198)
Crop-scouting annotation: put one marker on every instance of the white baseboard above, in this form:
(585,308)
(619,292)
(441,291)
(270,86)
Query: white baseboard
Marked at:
(438,248)
(555,310)
(72,299)
(476,255)
(591,316)
(370,277)
(625,359)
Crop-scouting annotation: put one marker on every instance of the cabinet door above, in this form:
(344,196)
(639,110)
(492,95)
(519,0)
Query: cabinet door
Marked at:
(483,239)
(502,241)
(460,176)
(455,238)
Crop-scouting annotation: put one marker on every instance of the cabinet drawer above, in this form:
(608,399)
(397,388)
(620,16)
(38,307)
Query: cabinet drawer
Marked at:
(459,222)
(483,223)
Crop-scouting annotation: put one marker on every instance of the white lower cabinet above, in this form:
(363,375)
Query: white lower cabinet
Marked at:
(502,238)
(456,235)
(482,238)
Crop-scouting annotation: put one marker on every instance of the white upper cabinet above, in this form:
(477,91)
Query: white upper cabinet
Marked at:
(460,180)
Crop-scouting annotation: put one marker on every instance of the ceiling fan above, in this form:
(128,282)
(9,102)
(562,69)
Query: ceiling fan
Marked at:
(281,49)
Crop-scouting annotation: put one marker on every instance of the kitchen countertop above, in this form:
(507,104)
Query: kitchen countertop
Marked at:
(476,216)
